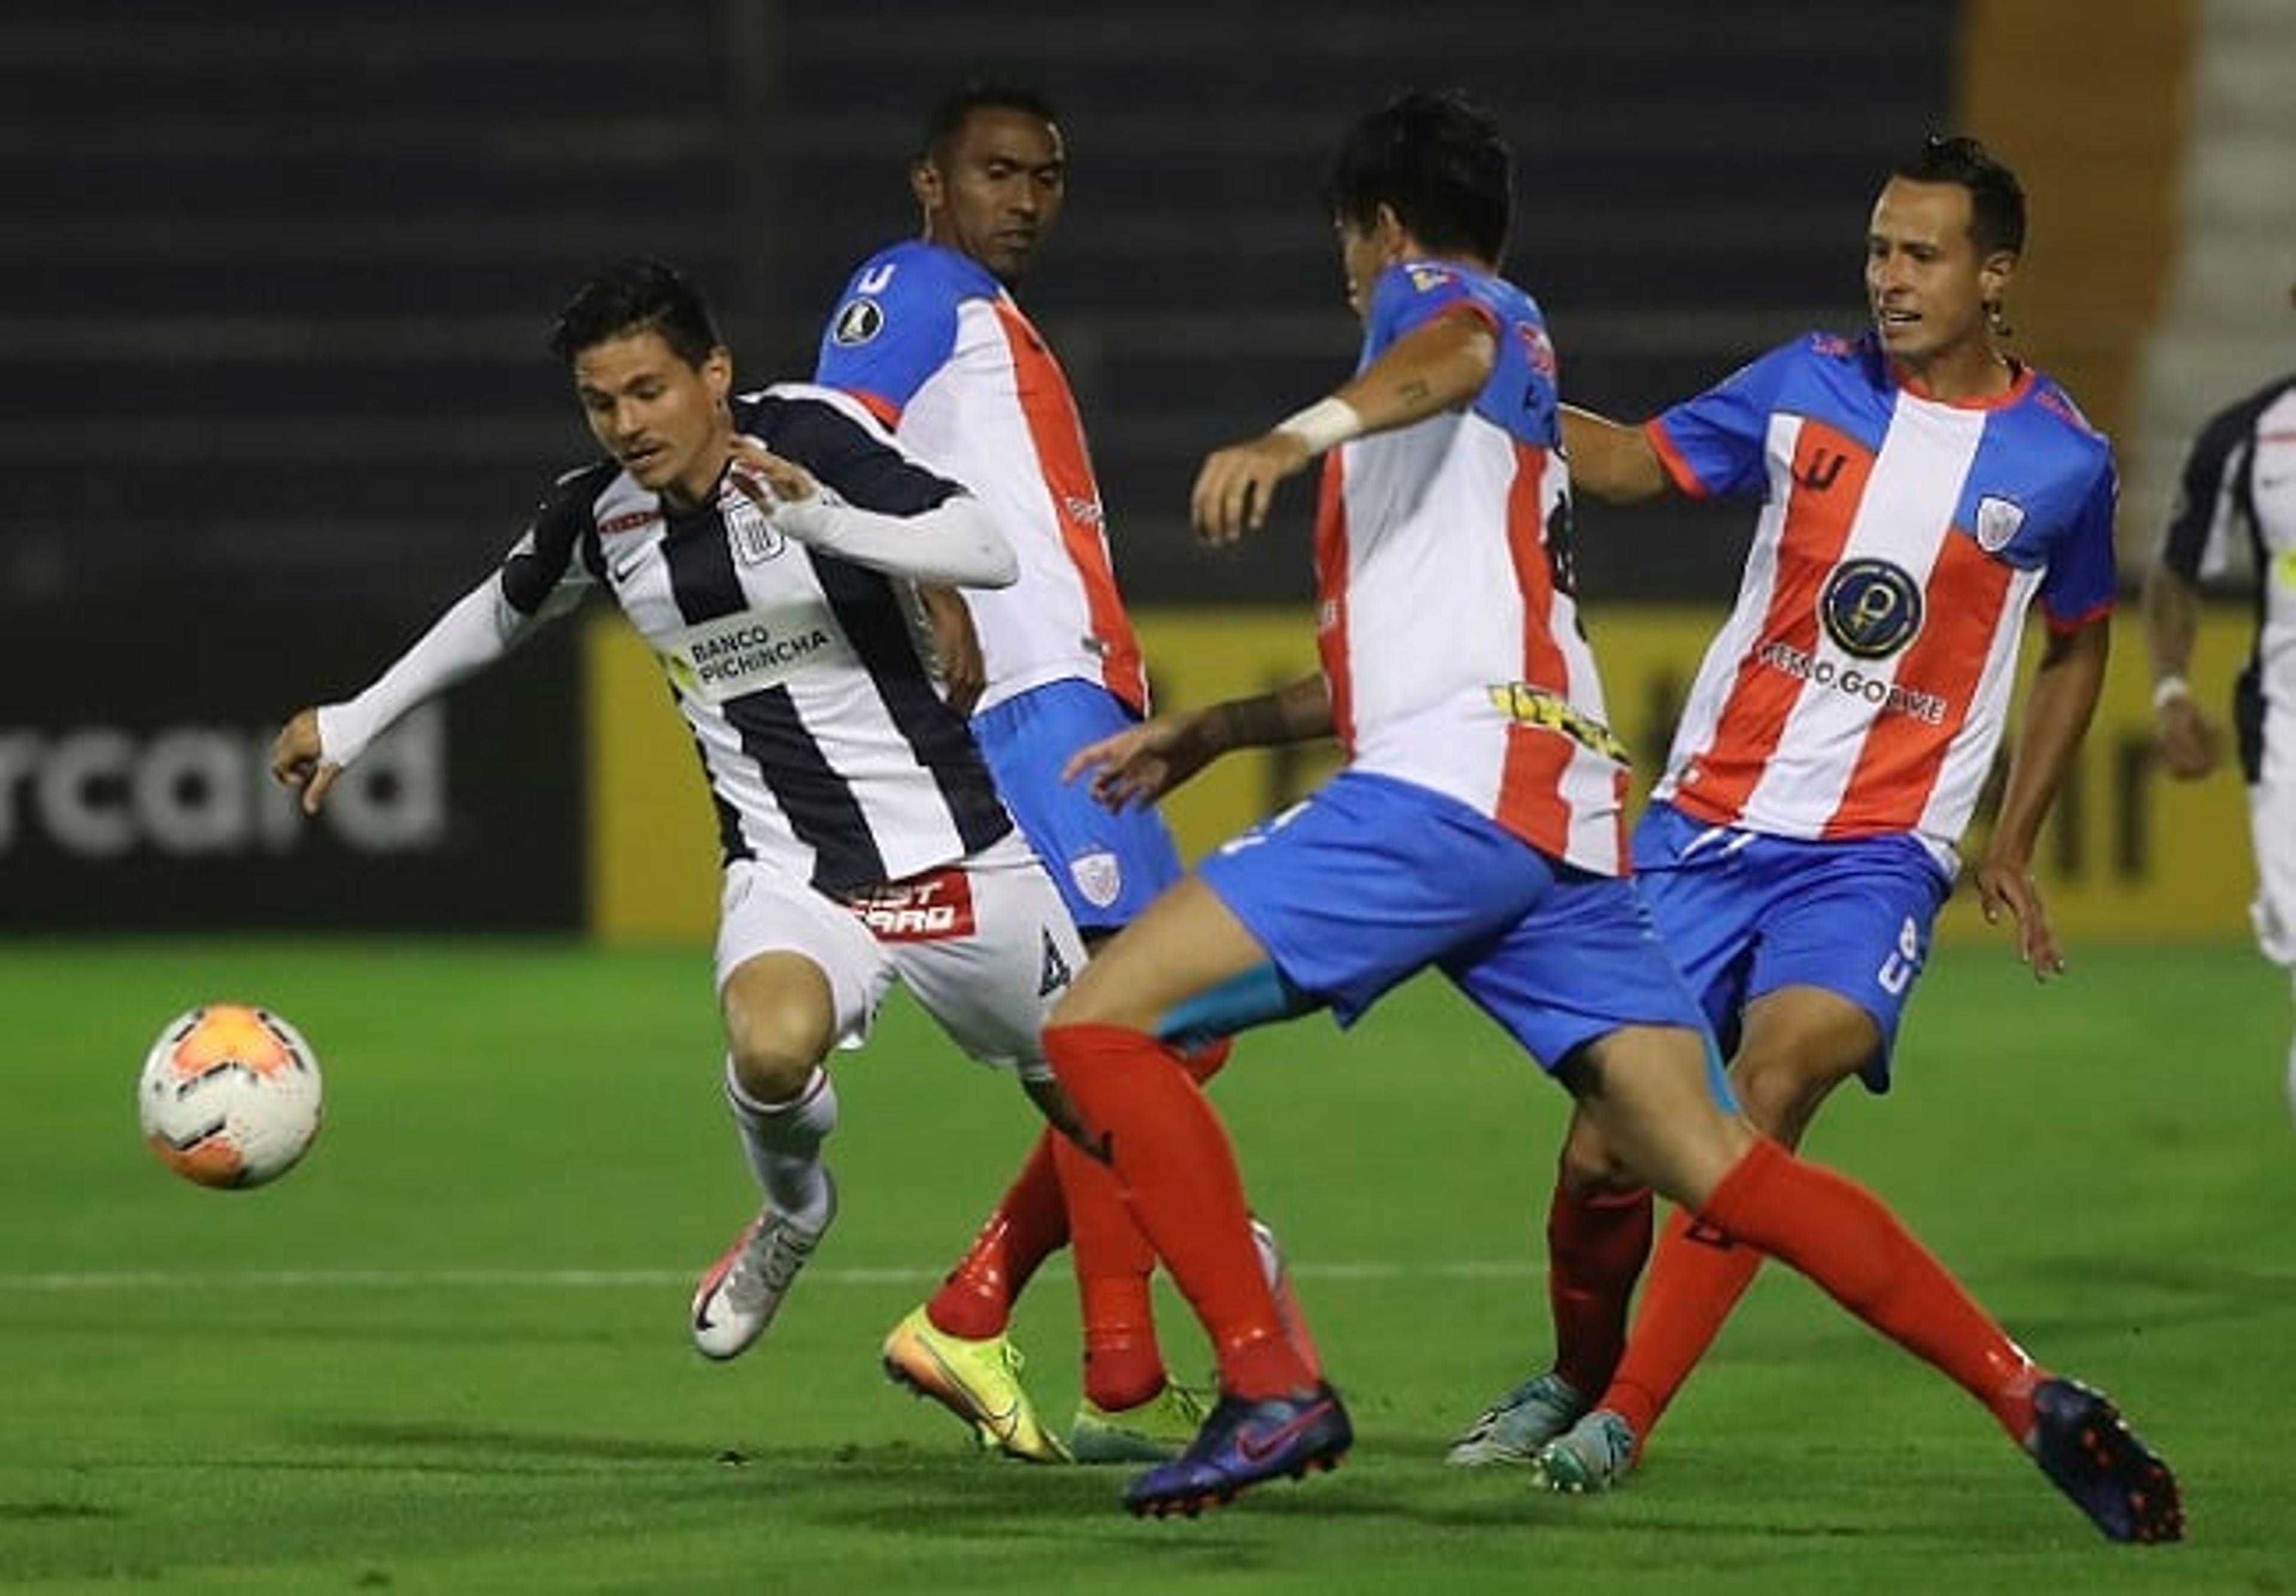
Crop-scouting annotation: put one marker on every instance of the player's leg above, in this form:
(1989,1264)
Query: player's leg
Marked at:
(1107,867)
(795,974)
(1367,882)
(1644,1089)
(1705,903)
(2268,755)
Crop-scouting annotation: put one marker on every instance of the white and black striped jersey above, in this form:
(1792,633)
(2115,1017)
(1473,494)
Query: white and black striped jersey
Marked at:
(829,750)
(2238,488)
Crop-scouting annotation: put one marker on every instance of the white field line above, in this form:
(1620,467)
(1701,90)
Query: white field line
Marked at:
(595,1280)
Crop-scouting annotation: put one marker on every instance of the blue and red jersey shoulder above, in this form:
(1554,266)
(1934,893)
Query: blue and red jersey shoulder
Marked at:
(1521,397)
(896,323)
(2038,491)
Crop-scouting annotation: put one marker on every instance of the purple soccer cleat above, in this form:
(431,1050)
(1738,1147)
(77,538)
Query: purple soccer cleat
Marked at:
(1244,1442)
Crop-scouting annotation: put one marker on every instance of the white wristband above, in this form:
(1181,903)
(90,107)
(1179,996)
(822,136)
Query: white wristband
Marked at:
(2168,690)
(1325,425)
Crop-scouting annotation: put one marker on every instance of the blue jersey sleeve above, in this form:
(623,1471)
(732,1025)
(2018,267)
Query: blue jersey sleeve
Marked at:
(893,329)
(1409,295)
(2081,580)
(1713,444)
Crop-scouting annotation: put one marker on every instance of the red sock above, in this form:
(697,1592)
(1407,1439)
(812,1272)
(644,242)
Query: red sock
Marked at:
(1123,1366)
(1595,1245)
(1206,1059)
(1029,1225)
(1178,1172)
(1696,1276)
(1844,1237)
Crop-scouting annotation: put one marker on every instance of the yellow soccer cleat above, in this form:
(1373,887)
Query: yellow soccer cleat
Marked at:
(979,1381)
(1156,1431)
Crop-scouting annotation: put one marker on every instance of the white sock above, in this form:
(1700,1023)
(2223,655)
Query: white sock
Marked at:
(783,1141)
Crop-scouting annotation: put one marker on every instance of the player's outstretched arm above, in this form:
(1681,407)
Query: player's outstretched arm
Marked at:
(953,544)
(1435,367)
(2186,741)
(2057,710)
(316,743)
(1610,460)
(1141,763)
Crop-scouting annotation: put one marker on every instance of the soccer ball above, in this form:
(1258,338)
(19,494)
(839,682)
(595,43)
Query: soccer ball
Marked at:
(230,1095)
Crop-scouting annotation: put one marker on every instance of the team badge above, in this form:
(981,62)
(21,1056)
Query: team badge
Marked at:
(754,537)
(1099,876)
(1871,608)
(857,321)
(1997,521)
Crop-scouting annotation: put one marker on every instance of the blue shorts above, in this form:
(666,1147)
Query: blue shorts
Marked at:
(1744,914)
(1108,866)
(1372,879)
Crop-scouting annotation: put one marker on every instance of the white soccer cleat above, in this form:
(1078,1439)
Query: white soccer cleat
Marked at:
(738,1299)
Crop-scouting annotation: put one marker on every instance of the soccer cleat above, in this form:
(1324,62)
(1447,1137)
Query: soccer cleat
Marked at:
(1244,1442)
(1513,1429)
(979,1381)
(1154,1431)
(1287,1305)
(738,1299)
(1593,1456)
(2090,1455)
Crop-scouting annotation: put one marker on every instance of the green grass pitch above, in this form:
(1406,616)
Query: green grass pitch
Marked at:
(448,1353)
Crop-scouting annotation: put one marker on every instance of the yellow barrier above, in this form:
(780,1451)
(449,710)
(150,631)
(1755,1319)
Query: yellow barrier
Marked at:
(2129,853)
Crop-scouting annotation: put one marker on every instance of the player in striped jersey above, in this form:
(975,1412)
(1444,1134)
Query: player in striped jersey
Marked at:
(1476,829)
(928,335)
(1920,490)
(765,545)
(2237,506)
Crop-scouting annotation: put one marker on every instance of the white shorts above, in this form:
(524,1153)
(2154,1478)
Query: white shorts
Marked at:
(2272,823)
(985,945)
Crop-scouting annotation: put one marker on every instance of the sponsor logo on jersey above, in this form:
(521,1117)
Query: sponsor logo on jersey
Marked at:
(1537,349)
(934,907)
(1084,511)
(722,660)
(1427,279)
(629,521)
(1099,876)
(858,321)
(1529,705)
(1997,521)
(1871,608)
(1885,695)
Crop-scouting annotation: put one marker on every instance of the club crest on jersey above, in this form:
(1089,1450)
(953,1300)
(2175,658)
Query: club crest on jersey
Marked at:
(753,535)
(1997,521)
(1099,875)
(1871,608)
(857,321)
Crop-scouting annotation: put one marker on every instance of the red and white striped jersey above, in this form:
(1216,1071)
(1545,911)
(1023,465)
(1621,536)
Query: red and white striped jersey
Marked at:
(1449,629)
(1861,685)
(932,344)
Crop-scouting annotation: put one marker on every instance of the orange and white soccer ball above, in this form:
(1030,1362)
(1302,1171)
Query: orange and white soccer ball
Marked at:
(230,1095)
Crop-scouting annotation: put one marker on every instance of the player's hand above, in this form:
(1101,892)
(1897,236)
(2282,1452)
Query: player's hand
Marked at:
(767,479)
(2004,883)
(956,646)
(1141,763)
(297,760)
(2187,743)
(1237,483)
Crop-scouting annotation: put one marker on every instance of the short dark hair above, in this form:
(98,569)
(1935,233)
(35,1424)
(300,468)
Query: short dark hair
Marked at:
(636,296)
(1997,201)
(947,117)
(1437,163)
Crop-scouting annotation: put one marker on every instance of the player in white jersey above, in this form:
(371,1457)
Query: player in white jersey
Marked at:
(765,545)
(928,335)
(1475,829)
(1920,490)
(2236,508)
